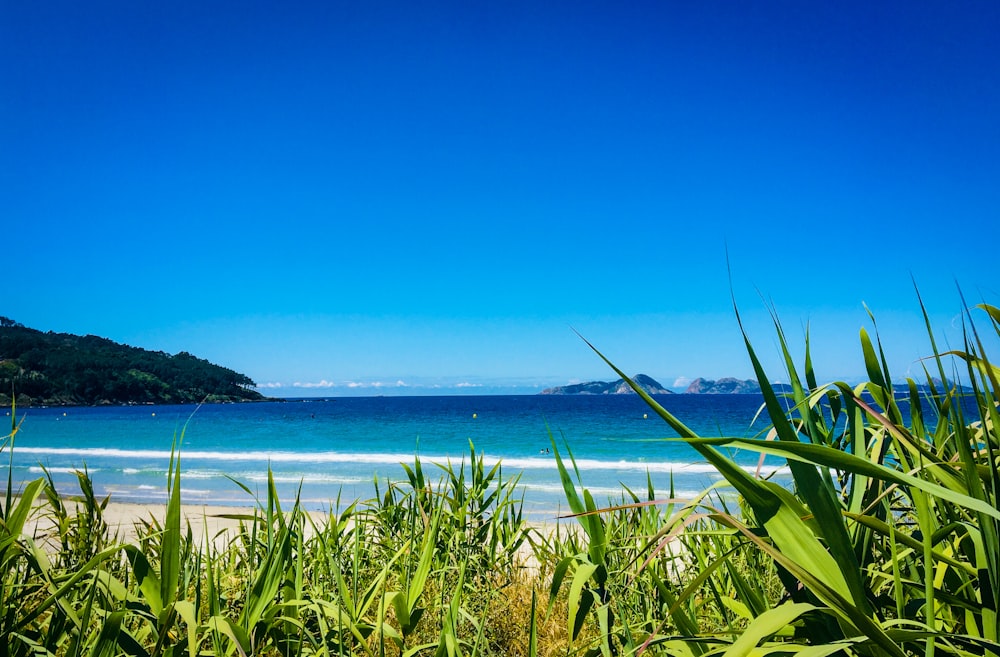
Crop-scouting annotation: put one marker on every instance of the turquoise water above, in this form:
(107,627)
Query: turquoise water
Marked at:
(340,446)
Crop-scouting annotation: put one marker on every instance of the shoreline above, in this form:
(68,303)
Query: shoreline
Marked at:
(124,518)
(220,523)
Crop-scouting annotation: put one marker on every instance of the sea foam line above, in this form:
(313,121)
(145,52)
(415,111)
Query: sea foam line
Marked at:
(517,463)
(37,469)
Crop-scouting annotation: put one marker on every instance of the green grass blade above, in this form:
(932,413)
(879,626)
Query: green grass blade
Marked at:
(827,457)
(769,623)
(170,542)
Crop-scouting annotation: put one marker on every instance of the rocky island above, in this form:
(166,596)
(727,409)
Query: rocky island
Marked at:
(619,387)
(723,386)
(61,369)
(727,385)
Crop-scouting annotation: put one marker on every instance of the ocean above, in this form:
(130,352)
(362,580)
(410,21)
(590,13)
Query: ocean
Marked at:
(322,449)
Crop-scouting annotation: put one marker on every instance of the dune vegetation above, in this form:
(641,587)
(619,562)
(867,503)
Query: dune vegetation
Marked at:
(886,544)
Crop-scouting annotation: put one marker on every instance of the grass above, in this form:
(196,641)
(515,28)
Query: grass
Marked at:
(426,567)
(885,544)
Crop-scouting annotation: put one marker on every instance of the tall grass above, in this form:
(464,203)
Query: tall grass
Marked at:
(429,566)
(886,543)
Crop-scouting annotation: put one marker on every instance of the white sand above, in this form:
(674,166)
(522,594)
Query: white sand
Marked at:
(218,522)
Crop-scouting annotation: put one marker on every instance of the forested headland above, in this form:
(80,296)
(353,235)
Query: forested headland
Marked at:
(46,368)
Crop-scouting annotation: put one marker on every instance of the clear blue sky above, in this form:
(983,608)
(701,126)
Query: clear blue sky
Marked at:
(357,196)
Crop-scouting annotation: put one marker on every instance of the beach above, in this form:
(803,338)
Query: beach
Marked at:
(331,453)
(126,522)
(126,519)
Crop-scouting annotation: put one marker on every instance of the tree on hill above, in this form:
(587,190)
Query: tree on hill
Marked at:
(60,368)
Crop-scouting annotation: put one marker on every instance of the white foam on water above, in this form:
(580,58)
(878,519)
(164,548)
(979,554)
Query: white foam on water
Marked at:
(36,469)
(201,474)
(295,478)
(314,458)
(197,492)
(611,491)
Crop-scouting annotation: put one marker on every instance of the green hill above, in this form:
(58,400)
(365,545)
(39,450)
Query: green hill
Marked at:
(64,369)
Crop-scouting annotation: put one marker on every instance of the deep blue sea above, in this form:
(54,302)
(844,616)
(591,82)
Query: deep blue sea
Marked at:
(339,447)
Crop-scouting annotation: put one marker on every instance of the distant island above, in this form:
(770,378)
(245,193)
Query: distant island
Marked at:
(730,386)
(723,386)
(619,387)
(60,369)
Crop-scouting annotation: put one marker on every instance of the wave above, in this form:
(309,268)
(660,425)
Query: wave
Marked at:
(612,492)
(37,469)
(314,458)
(261,477)
(655,467)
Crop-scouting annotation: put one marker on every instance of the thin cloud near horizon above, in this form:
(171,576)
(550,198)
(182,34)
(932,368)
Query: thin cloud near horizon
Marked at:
(399,383)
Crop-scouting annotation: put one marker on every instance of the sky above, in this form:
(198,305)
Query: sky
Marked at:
(342,198)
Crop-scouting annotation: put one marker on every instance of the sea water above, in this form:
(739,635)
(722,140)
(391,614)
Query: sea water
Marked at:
(328,449)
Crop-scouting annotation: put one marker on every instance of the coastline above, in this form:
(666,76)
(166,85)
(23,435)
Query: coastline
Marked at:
(125,518)
(220,523)
(324,451)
